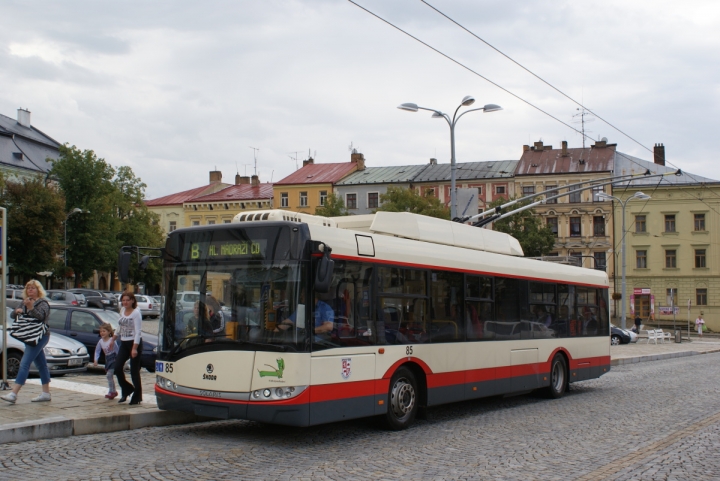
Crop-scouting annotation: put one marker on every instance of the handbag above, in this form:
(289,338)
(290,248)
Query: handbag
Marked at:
(28,330)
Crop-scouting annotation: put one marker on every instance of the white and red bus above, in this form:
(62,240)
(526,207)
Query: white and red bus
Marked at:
(302,320)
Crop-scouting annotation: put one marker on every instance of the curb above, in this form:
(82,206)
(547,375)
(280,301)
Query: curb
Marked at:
(658,357)
(59,427)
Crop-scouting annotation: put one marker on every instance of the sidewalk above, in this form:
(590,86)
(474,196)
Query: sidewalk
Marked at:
(78,405)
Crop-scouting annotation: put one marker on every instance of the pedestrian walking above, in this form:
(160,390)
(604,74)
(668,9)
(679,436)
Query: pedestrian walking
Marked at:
(35,309)
(130,336)
(110,348)
(699,323)
(638,323)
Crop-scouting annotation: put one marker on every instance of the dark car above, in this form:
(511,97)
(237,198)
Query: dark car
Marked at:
(621,336)
(83,325)
(99,299)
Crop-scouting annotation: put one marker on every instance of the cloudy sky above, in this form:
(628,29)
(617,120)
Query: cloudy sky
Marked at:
(178,88)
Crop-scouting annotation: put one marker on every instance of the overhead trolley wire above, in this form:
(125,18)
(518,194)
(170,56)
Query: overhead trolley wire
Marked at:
(552,87)
(457,62)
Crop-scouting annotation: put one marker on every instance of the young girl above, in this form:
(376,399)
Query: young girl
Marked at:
(106,333)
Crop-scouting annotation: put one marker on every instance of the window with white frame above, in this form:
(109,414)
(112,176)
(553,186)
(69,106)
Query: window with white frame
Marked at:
(303,199)
(499,189)
(172,226)
(323,197)
(284,200)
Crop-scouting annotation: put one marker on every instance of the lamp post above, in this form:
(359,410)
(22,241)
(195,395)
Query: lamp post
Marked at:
(636,195)
(466,102)
(76,210)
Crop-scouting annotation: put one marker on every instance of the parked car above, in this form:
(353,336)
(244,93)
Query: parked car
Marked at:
(99,299)
(66,297)
(621,336)
(63,354)
(83,324)
(187,299)
(148,307)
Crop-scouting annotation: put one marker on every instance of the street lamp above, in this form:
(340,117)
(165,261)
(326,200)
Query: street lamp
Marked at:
(636,195)
(466,102)
(76,210)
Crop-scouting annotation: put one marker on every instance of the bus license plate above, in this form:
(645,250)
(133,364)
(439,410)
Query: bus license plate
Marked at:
(75,362)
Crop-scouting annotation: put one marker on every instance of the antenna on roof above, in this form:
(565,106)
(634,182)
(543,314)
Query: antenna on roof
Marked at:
(295,159)
(255,151)
(582,117)
(352,149)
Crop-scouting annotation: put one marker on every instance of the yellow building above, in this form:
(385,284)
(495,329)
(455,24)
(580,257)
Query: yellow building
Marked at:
(671,245)
(581,221)
(170,207)
(307,188)
(220,207)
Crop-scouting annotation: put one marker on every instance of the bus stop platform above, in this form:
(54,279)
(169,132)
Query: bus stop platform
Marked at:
(79,407)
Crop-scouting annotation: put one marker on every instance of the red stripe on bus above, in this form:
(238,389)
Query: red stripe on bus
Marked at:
(454,269)
(332,392)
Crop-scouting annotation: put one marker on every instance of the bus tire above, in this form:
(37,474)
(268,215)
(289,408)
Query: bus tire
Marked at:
(402,400)
(558,377)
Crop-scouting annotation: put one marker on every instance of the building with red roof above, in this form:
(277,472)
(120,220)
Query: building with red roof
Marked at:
(220,207)
(307,188)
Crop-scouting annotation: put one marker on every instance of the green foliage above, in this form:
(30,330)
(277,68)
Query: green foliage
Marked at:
(114,214)
(334,207)
(35,214)
(397,199)
(535,237)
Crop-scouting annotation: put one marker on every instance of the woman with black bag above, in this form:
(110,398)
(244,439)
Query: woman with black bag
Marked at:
(35,307)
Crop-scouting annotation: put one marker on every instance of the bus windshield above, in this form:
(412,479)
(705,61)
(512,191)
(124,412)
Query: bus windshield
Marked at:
(254,305)
(231,287)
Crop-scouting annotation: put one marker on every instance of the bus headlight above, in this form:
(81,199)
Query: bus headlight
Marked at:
(165,383)
(277,393)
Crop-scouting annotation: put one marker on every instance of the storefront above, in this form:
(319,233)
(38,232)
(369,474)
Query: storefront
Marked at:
(642,303)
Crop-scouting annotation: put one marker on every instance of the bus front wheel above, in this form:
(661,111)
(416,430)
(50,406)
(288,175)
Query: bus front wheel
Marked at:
(403,400)
(558,377)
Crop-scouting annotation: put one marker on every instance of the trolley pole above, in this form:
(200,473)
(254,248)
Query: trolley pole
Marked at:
(3,279)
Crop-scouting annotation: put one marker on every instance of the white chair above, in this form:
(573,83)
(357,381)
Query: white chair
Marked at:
(651,336)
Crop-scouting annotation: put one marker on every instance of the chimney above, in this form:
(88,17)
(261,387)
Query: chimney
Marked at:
(308,161)
(23,117)
(526,148)
(358,158)
(237,179)
(433,161)
(245,180)
(255,180)
(659,154)
(538,145)
(215,176)
(564,148)
(600,144)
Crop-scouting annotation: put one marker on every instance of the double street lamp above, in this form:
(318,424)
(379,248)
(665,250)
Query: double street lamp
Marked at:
(466,102)
(76,210)
(636,195)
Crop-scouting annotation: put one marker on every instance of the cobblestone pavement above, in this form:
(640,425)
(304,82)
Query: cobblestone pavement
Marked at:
(649,421)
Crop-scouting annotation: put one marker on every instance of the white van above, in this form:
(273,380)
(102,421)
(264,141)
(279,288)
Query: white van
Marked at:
(187,299)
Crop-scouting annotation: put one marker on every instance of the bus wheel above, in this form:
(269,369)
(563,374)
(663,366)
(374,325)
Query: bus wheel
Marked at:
(403,400)
(558,377)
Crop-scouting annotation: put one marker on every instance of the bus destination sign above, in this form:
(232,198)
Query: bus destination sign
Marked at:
(227,249)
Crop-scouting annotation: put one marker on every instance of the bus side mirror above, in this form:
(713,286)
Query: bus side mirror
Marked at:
(324,274)
(124,266)
(144,262)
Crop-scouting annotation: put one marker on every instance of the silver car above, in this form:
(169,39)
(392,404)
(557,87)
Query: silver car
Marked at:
(147,305)
(63,354)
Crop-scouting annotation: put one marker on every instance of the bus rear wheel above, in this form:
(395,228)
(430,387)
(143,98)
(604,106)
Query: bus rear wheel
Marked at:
(403,400)
(558,377)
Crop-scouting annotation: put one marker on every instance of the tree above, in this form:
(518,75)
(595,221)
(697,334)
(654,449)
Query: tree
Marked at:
(86,182)
(535,238)
(334,207)
(137,225)
(397,199)
(35,215)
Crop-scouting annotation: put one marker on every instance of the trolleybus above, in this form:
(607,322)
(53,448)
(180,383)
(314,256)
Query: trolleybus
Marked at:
(302,320)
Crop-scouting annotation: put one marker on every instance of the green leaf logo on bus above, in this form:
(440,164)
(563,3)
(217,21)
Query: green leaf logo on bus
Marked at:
(275,372)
